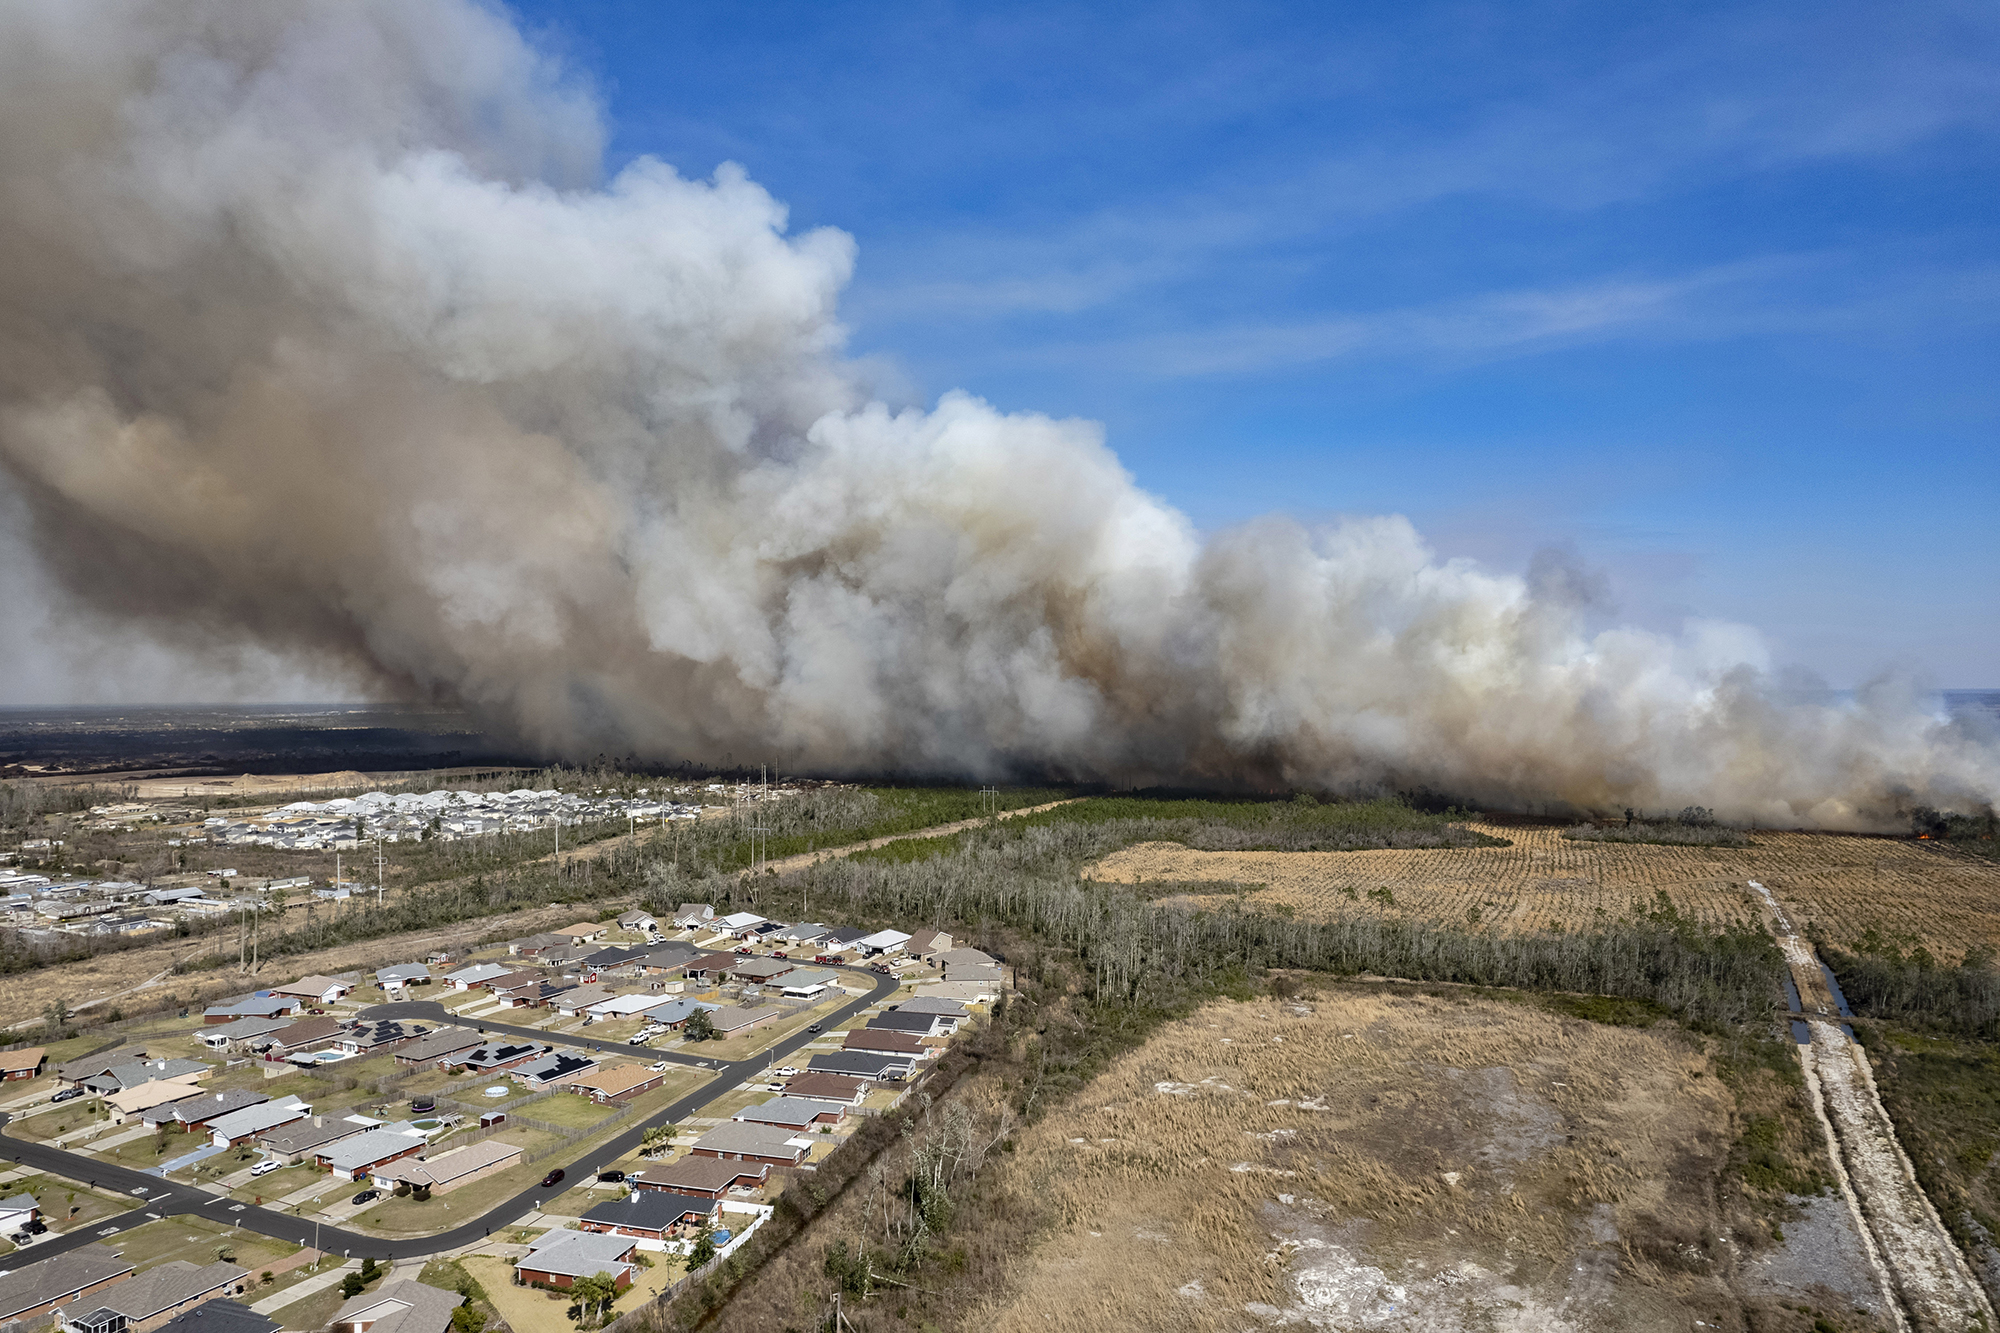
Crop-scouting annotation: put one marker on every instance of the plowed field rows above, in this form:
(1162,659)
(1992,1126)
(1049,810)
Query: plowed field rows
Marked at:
(1843,886)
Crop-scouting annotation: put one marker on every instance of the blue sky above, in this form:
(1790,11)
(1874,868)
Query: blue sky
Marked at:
(1707,296)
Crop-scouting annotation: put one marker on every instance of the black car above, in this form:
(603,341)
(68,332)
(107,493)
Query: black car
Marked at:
(812,1027)
(366,1196)
(552,1178)
(611,1177)
(67,1095)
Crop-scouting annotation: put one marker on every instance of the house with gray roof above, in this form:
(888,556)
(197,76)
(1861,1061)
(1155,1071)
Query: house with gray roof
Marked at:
(439,1045)
(150,1299)
(241,1032)
(220,1315)
(558,1258)
(123,1076)
(807,983)
(191,1112)
(793,1113)
(368,1038)
(742,1142)
(649,1214)
(397,1307)
(468,978)
(553,1068)
(298,1140)
(402,975)
(83,1274)
(352,1159)
(863,1064)
(261,1005)
(226,1131)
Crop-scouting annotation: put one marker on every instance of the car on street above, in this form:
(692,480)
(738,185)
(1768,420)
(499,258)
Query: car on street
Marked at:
(266,1167)
(66,1095)
(786,1071)
(826,958)
(780,953)
(140,1191)
(366,1196)
(638,1039)
(611,1177)
(746,949)
(812,1027)
(552,1178)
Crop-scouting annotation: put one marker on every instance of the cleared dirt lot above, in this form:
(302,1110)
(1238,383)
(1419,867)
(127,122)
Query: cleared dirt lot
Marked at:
(1907,891)
(1379,1161)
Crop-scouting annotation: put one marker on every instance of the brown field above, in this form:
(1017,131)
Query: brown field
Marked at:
(1909,892)
(1365,1159)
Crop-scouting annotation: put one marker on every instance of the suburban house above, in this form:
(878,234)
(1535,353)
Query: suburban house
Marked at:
(447,1171)
(710,1177)
(668,959)
(863,1064)
(806,984)
(301,1139)
(364,1154)
(925,1004)
(221,1315)
(840,1089)
(438,1047)
(730,1019)
(38,1288)
(886,1042)
(132,1102)
(533,946)
(558,1258)
(843,938)
(240,1034)
(226,1131)
(614,1085)
(76,1071)
(808,932)
(579,998)
(315,989)
(741,1142)
(795,1113)
(693,914)
(673,1014)
(17,1212)
(532,992)
(584,930)
(397,1307)
(308,1034)
(368,1038)
(151,1298)
(261,1005)
(24,1063)
(638,919)
(122,1076)
(554,1068)
(479,974)
(964,958)
(395,980)
(708,966)
(757,971)
(982,991)
(921,1025)
(881,943)
(927,944)
(194,1113)
(743,925)
(648,1215)
(618,960)
(493,1058)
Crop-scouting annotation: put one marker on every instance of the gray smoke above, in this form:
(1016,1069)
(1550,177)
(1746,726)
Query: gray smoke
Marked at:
(321,334)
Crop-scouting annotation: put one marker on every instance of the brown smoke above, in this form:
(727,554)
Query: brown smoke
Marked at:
(320,333)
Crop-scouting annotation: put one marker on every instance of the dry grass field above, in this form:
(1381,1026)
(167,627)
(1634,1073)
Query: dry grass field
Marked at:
(1360,1159)
(1909,892)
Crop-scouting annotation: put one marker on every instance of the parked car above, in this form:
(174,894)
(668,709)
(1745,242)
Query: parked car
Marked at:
(67,1095)
(611,1177)
(266,1167)
(658,1065)
(552,1178)
(366,1196)
(786,1071)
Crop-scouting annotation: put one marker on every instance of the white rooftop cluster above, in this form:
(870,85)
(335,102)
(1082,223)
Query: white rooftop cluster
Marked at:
(348,820)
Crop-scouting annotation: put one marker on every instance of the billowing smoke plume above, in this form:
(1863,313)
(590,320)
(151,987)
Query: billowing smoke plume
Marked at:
(320,331)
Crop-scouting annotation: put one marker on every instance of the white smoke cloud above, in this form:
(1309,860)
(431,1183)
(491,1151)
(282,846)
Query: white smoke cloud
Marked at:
(322,335)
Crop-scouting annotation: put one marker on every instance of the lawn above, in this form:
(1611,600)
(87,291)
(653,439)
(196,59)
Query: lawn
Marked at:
(569,1110)
(144,1153)
(198,1241)
(315,1311)
(58,1196)
(44,1124)
(279,1183)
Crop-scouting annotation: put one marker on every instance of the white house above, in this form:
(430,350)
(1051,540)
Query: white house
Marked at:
(881,942)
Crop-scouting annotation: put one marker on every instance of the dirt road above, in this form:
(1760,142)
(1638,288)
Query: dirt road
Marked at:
(1927,1282)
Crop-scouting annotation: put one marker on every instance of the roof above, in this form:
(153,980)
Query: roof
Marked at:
(808,978)
(861,1063)
(163,1287)
(307,1031)
(245,1028)
(479,973)
(794,1111)
(257,1119)
(57,1278)
(676,1010)
(635,916)
(369,1148)
(963,957)
(447,1167)
(650,1210)
(84,1066)
(314,985)
(765,968)
(696,1173)
(759,1140)
(159,1092)
(499,1053)
(700,911)
(401,1307)
(515,980)
(262,1006)
(576,1253)
(23,1059)
(613,1080)
(20,1203)
(382,1033)
(926,939)
(132,1075)
(884,939)
(672,955)
(931,1004)
(585,996)
(711,962)
(969,991)
(884,1039)
(441,1043)
(739,921)
(617,956)
(582,930)
(732,1017)
(403,972)
(197,1110)
(219,1316)
(846,934)
(555,1067)
(302,1136)
(898,1020)
(824,1086)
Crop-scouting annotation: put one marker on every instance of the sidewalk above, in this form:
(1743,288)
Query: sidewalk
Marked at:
(298,1291)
